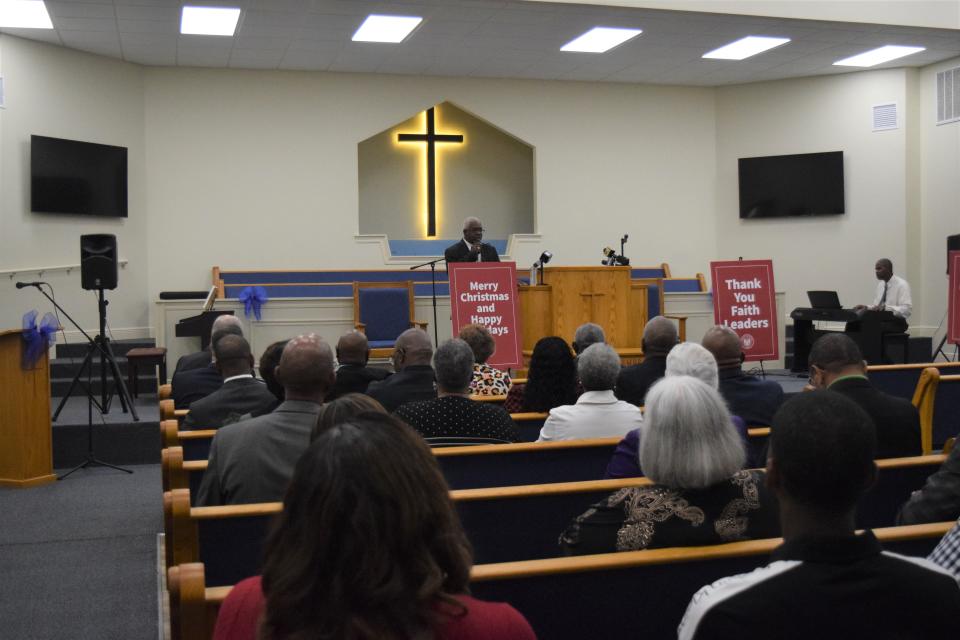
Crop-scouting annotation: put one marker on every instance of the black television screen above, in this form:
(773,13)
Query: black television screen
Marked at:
(804,184)
(68,176)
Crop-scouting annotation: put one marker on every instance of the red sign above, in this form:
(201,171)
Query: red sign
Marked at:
(744,300)
(486,293)
(953,298)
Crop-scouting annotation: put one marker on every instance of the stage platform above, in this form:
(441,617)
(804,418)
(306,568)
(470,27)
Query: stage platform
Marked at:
(117,438)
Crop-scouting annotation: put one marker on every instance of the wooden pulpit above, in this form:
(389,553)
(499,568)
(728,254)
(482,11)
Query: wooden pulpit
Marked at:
(26,447)
(571,296)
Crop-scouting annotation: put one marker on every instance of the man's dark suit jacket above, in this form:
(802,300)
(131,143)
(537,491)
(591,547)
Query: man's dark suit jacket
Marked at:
(460,253)
(408,385)
(189,386)
(939,499)
(753,399)
(228,403)
(896,419)
(193,361)
(253,460)
(634,381)
(355,378)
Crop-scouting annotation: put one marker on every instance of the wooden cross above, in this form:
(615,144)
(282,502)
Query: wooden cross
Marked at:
(431,137)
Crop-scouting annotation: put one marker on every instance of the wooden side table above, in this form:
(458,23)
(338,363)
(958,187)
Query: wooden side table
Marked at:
(146,356)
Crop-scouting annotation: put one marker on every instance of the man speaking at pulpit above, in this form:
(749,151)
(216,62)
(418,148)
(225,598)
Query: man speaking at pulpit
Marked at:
(893,295)
(471,248)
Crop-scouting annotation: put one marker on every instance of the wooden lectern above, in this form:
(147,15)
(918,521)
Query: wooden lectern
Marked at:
(26,453)
(571,296)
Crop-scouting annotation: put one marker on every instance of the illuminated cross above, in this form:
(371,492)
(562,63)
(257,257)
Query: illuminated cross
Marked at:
(431,137)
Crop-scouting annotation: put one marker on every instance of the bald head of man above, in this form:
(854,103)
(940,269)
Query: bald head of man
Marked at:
(659,336)
(222,322)
(724,344)
(353,348)
(306,369)
(413,348)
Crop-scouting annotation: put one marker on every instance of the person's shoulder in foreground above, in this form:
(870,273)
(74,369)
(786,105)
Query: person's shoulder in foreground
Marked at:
(841,584)
(239,617)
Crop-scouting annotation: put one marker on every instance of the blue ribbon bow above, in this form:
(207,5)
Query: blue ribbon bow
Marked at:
(38,338)
(253,298)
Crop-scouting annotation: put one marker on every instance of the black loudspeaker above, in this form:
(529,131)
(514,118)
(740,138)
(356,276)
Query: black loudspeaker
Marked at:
(98,261)
(953,244)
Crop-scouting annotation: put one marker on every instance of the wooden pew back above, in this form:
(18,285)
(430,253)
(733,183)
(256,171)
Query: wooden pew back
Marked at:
(901,380)
(586,597)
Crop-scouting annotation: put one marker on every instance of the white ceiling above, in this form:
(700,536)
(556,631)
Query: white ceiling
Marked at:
(477,38)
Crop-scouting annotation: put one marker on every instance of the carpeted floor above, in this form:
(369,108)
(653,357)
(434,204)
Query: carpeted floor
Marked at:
(78,557)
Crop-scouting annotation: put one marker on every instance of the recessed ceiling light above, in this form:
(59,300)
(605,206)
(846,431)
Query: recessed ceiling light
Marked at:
(745,47)
(878,56)
(209,21)
(386,28)
(600,39)
(24,14)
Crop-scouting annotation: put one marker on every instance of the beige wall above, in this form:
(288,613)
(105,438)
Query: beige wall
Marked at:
(940,193)
(62,93)
(810,115)
(275,156)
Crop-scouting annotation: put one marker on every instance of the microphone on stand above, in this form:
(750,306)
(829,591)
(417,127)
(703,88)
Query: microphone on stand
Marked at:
(21,285)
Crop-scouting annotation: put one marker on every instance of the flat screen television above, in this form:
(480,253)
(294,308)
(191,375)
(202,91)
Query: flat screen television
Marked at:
(803,184)
(69,176)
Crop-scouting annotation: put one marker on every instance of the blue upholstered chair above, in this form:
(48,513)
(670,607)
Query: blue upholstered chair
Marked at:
(384,310)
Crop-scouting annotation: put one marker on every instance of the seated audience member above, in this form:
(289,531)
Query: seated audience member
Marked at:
(597,412)
(753,399)
(413,379)
(353,374)
(191,385)
(269,360)
(341,410)
(368,545)
(659,336)
(837,364)
(453,414)
(251,461)
(551,379)
(687,359)
(939,499)
(947,552)
(204,357)
(487,380)
(694,456)
(586,335)
(825,579)
(241,393)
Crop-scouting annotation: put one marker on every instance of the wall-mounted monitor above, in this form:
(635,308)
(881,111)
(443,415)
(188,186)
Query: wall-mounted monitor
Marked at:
(804,184)
(69,176)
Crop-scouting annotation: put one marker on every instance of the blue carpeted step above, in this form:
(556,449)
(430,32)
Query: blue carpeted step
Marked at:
(77,349)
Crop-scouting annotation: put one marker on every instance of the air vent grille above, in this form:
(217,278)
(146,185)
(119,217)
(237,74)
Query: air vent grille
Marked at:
(884,116)
(948,96)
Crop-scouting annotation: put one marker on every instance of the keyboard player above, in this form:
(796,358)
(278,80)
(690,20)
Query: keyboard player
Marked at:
(892,294)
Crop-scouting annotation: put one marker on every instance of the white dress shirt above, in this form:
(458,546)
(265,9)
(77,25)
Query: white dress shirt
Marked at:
(597,414)
(898,297)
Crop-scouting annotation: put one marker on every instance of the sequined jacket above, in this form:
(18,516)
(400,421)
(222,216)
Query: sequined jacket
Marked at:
(653,516)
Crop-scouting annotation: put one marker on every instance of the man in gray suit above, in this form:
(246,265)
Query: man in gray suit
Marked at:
(253,460)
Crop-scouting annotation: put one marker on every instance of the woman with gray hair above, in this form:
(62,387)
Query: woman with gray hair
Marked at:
(693,455)
(685,359)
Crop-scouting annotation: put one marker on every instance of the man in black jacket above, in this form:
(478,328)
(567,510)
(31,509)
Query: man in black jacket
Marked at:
(750,397)
(192,384)
(414,379)
(471,248)
(837,364)
(241,393)
(353,374)
(659,336)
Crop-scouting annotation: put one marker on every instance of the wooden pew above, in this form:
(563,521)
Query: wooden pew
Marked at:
(529,425)
(902,379)
(164,391)
(585,597)
(503,524)
(497,400)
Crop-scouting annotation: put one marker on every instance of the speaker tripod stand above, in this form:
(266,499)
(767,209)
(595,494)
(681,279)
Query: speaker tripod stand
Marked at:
(101,345)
